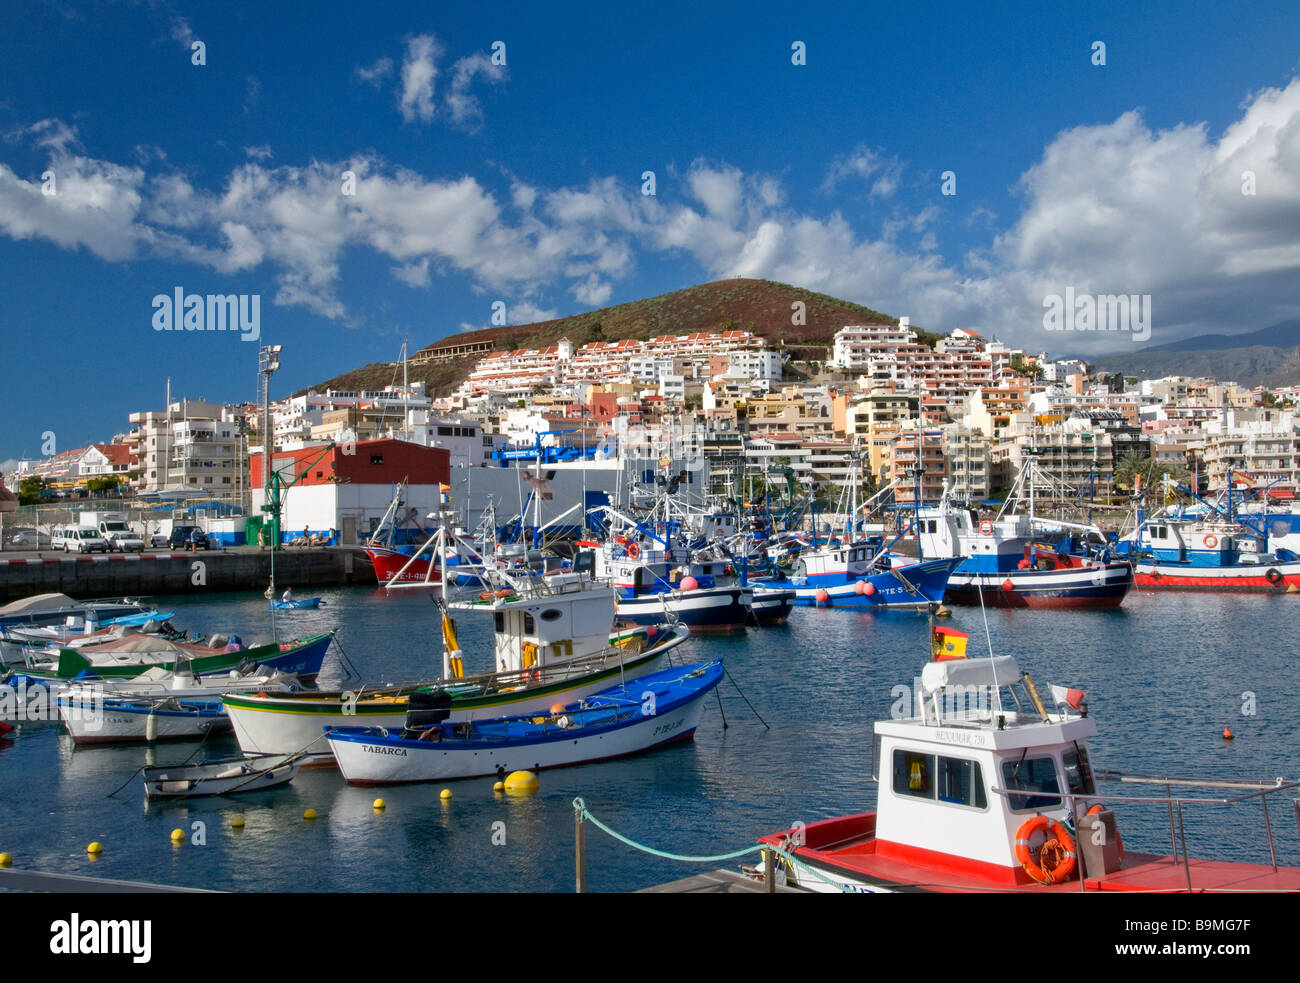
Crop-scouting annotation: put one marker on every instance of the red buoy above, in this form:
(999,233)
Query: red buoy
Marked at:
(1008,585)
(1227,733)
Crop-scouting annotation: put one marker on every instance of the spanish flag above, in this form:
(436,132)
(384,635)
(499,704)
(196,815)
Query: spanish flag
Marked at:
(949,643)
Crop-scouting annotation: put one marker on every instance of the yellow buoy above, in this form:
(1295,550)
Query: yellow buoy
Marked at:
(445,794)
(521,783)
(380,804)
(237,822)
(499,787)
(95,848)
(309,814)
(178,836)
(5,860)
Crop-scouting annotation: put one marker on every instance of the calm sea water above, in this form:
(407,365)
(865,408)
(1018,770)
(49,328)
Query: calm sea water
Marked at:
(1164,675)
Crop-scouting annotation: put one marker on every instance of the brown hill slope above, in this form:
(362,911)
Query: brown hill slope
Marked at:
(761,306)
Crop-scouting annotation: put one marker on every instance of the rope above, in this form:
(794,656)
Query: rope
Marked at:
(580,807)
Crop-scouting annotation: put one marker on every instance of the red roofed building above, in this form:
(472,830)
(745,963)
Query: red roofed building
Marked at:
(349,488)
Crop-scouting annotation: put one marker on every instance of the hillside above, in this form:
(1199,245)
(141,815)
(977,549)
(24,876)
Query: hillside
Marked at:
(761,306)
(1270,357)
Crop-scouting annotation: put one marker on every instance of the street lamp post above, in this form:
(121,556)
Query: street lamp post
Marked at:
(268,361)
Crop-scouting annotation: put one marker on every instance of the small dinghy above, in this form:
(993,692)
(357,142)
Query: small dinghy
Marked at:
(307,602)
(224,777)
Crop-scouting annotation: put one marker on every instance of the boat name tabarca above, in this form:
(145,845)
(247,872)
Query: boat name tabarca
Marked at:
(375,749)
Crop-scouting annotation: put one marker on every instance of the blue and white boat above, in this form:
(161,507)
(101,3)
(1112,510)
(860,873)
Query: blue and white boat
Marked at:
(306,602)
(1008,563)
(856,576)
(658,576)
(645,713)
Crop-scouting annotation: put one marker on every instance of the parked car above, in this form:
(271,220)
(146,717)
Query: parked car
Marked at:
(29,539)
(79,539)
(188,538)
(119,537)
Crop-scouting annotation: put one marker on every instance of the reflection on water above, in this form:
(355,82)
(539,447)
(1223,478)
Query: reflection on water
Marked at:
(1164,675)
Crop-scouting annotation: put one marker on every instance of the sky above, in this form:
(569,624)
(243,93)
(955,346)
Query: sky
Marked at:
(359,175)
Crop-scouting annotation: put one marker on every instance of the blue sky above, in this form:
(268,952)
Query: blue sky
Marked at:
(521,182)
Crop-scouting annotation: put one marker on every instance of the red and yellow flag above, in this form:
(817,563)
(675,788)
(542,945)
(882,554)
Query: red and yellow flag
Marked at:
(949,643)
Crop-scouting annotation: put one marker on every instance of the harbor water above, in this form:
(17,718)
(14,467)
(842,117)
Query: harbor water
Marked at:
(1164,675)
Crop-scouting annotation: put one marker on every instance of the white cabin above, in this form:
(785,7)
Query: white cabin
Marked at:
(944,775)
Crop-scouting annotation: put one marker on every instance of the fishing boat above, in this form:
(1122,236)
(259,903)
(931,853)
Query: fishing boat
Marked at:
(555,640)
(182,707)
(1009,564)
(54,609)
(772,607)
(858,576)
(978,794)
(130,657)
(1210,554)
(658,575)
(661,708)
(226,777)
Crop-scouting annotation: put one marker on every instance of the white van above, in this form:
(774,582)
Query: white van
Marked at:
(119,537)
(78,539)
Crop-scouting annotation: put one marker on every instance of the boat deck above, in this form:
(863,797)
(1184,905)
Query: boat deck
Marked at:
(1144,872)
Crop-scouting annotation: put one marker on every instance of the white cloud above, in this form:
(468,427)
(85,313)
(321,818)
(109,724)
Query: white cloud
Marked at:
(462,105)
(262,152)
(419,72)
(413,274)
(862,164)
(593,291)
(1122,208)
(1110,208)
(526,312)
(375,74)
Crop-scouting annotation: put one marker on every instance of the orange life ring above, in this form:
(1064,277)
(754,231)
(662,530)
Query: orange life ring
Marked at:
(986,528)
(633,550)
(1056,857)
(1210,541)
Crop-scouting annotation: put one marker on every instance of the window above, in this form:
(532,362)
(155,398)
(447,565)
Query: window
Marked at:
(1078,772)
(552,614)
(914,774)
(1031,775)
(376,458)
(530,626)
(499,622)
(961,783)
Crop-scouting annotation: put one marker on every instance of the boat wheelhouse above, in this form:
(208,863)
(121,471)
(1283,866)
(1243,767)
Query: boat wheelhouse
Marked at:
(977,795)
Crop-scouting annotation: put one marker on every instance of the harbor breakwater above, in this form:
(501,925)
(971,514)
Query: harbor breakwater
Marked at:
(22,575)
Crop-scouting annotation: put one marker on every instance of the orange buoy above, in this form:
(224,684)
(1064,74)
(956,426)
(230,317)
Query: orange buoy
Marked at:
(1227,733)
(1008,585)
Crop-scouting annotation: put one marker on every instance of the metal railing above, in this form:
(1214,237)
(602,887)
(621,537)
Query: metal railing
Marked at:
(1177,829)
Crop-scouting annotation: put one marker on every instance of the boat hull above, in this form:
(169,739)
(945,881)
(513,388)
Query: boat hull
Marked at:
(108,722)
(218,778)
(717,609)
(914,586)
(1103,586)
(389,563)
(1257,578)
(772,607)
(379,759)
(289,725)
